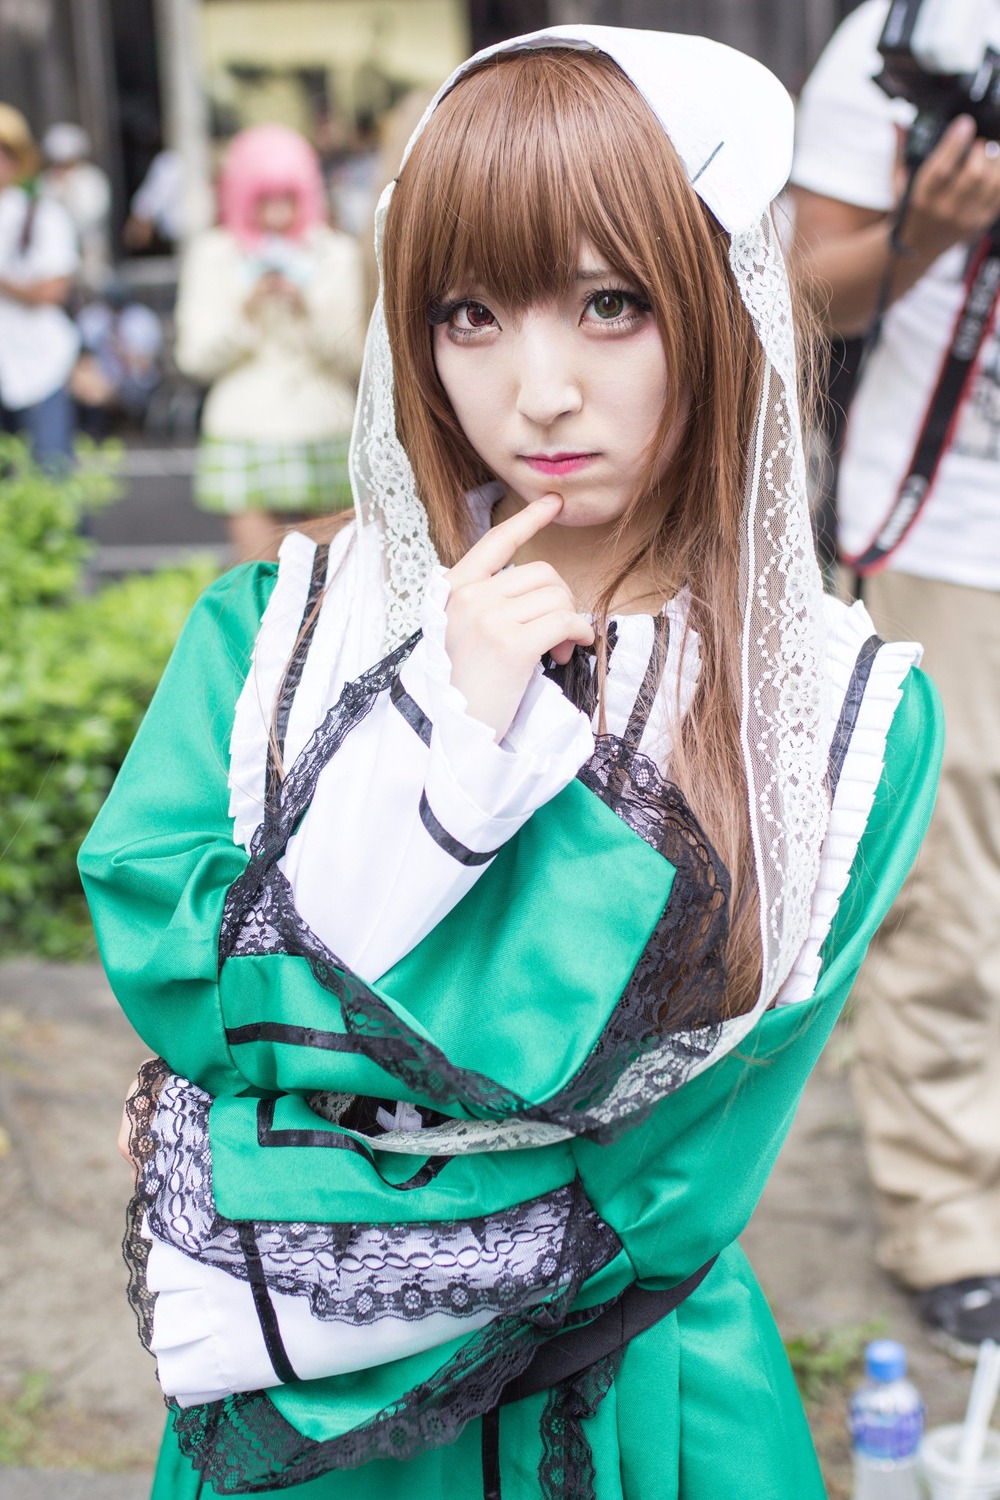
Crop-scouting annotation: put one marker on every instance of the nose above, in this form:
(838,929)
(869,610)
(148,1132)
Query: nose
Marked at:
(548,386)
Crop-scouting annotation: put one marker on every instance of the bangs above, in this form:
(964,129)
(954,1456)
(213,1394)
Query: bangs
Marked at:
(525,157)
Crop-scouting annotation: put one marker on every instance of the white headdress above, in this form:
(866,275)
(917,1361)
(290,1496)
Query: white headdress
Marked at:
(731,123)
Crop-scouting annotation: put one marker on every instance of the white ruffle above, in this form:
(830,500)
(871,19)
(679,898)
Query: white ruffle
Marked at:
(349,621)
(272,650)
(847,631)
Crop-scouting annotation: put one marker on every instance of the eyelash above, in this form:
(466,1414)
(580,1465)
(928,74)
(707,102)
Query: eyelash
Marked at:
(441,312)
(638,304)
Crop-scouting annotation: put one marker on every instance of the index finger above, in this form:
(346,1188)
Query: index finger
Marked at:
(496,549)
(951,152)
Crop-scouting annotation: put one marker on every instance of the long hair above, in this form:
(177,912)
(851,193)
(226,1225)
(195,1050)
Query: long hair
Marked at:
(528,155)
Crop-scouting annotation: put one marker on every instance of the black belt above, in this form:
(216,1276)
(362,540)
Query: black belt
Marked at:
(570,1353)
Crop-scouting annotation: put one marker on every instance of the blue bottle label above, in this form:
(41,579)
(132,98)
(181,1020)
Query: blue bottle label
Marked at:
(889,1435)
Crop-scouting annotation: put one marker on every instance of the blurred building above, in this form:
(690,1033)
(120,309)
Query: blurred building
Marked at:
(143,74)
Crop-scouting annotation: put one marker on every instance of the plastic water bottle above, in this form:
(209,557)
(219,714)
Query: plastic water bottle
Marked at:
(887,1423)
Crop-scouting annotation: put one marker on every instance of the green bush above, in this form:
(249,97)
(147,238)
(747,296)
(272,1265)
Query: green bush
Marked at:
(77,670)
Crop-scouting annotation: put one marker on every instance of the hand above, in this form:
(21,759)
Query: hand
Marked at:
(956,192)
(500,623)
(273,287)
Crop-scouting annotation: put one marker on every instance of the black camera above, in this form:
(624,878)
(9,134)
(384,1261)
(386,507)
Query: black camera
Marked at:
(935,54)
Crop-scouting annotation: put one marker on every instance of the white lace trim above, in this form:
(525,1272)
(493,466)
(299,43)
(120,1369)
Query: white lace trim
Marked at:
(385,491)
(783,711)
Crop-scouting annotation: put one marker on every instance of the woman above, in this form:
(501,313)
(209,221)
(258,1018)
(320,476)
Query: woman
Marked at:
(269,314)
(477,1065)
(38,341)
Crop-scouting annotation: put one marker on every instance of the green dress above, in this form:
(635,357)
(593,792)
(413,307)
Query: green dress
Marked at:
(700,1405)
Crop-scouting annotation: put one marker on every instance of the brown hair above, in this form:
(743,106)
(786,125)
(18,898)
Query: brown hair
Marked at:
(530,153)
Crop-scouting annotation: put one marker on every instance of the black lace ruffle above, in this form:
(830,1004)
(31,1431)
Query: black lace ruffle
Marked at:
(243,1444)
(567,1466)
(140,1109)
(359,1274)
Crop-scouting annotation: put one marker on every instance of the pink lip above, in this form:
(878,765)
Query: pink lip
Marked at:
(558,463)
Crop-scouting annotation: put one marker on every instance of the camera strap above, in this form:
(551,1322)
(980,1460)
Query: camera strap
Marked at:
(974,320)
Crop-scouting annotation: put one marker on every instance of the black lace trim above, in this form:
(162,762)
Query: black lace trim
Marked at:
(577,679)
(674,1001)
(293,675)
(567,1466)
(140,1108)
(357,1273)
(243,1445)
(286,803)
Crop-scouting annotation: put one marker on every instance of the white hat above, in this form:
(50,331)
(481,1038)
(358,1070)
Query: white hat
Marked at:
(65,143)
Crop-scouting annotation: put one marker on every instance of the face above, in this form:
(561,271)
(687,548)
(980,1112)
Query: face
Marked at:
(566,396)
(275,213)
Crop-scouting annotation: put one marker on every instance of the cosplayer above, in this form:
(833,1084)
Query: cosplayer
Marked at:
(560,810)
(269,315)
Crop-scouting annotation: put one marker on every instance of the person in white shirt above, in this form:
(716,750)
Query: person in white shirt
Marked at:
(156,208)
(929,1019)
(84,191)
(270,313)
(38,340)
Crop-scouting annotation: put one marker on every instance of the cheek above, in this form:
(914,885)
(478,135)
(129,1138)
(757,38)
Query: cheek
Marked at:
(467,384)
(635,389)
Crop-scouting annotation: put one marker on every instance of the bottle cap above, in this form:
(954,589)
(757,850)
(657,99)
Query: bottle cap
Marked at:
(885,1359)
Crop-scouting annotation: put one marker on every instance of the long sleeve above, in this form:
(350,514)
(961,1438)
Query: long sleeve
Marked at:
(372,870)
(422,799)
(160,858)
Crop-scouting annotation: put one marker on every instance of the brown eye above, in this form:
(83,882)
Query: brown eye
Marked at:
(477,315)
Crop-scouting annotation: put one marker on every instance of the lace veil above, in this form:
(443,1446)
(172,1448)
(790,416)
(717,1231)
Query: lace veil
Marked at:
(731,123)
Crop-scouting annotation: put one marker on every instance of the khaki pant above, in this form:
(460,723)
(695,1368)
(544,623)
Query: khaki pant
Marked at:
(928,1000)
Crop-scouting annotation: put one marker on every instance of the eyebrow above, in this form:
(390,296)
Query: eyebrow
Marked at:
(593,274)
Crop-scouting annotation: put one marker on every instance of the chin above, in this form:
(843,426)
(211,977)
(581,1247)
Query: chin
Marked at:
(580,511)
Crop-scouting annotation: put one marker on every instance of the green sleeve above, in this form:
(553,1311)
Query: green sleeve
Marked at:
(685,1183)
(160,858)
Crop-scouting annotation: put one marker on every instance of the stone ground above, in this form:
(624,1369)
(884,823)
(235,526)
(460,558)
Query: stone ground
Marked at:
(79,1408)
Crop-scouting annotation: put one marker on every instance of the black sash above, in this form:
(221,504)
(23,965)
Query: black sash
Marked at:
(569,1354)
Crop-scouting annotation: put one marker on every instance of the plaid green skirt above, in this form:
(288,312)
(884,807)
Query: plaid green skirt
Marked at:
(233,476)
